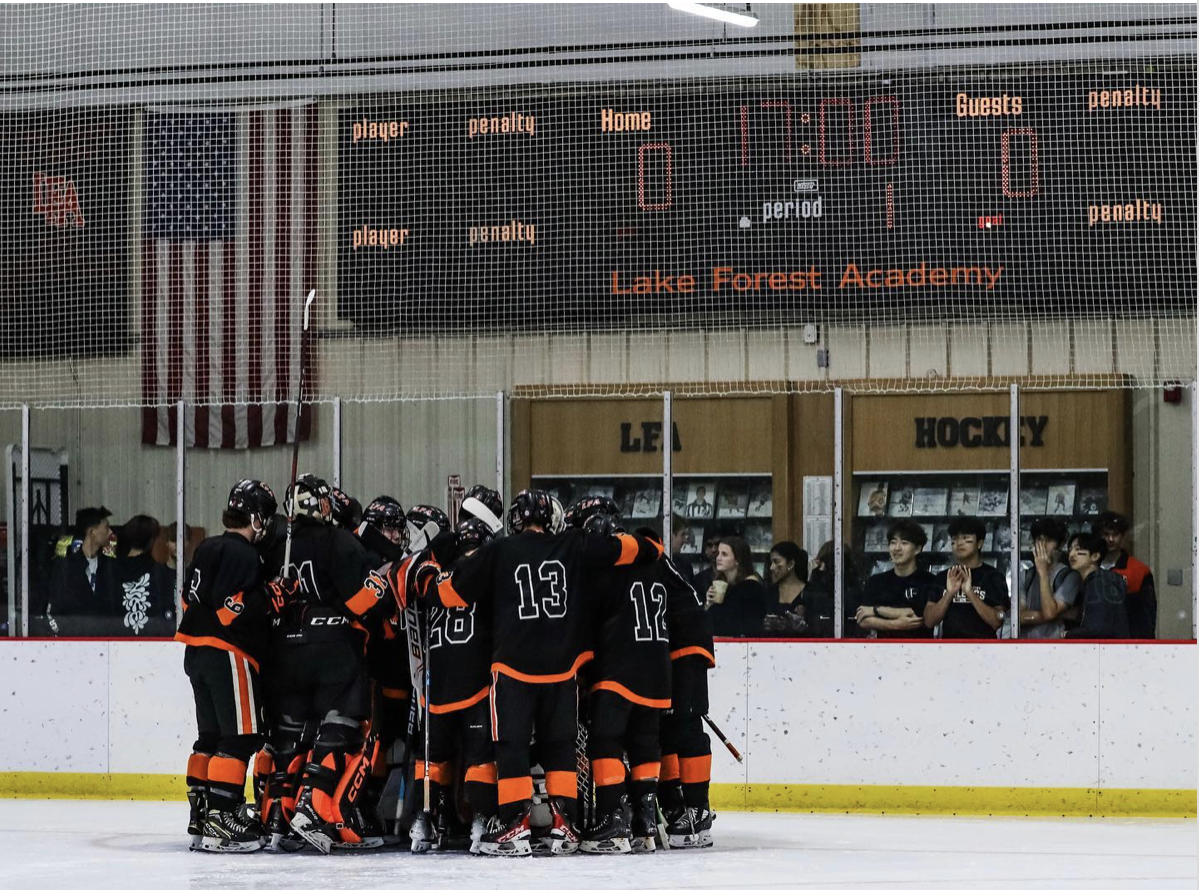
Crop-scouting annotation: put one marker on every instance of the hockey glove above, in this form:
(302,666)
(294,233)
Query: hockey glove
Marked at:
(281,592)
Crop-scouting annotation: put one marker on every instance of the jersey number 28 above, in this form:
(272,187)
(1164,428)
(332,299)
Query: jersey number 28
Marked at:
(550,602)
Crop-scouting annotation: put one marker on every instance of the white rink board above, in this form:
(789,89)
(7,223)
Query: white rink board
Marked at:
(1114,716)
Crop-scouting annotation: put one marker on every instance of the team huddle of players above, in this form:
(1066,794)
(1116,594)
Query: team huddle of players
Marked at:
(349,646)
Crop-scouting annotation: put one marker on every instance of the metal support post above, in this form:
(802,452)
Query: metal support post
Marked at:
(1014,505)
(500,441)
(839,572)
(668,453)
(180,522)
(26,488)
(337,441)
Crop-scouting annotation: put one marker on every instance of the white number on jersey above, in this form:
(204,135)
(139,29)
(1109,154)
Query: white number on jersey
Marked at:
(553,602)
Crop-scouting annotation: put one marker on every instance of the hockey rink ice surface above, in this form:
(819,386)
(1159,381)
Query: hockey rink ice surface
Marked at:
(123,844)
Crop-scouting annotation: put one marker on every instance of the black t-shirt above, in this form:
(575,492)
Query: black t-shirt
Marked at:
(741,614)
(962,622)
(908,592)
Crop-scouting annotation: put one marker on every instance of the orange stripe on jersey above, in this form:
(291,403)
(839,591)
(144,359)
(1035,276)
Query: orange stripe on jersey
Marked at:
(247,721)
(629,550)
(695,769)
(216,643)
(644,772)
(197,767)
(608,771)
(460,705)
(670,767)
(227,770)
(501,668)
(630,695)
(694,650)
(398,694)
(512,790)
(484,773)
(448,595)
(362,601)
(227,615)
(562,783)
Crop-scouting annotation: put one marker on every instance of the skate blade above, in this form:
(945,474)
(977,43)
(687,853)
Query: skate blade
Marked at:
(612,845)
(367,843)
(559,846)
(193,841)
(691,841)
(307,830)
(282,843)
(219,845)
(508,848)
(642,845)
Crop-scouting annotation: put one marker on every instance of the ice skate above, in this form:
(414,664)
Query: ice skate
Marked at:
(693,828)
(610,835)
(511,839)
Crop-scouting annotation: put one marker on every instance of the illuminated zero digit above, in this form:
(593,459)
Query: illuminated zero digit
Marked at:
(895,155)
(1005,167)
(664,147)
(822,156)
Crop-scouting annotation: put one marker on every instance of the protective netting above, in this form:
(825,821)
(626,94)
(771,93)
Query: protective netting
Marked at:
(589,198)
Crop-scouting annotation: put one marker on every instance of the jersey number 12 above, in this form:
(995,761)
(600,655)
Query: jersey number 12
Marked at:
(651,625)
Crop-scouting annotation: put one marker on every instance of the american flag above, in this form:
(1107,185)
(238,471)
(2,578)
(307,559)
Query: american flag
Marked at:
(228,254)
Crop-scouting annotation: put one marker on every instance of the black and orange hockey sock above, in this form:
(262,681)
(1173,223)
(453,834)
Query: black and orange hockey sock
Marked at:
(226,782)
(479,785)
(608,774)
(513,795)
(197,769)
(696,773)
(643,779)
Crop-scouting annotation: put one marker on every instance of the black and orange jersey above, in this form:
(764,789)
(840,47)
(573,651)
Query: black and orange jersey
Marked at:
(637,605)
(533,586)
(331,566)
(223,601)
(688,625)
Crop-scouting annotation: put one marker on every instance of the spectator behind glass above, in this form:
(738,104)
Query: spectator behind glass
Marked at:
(972,596)
(1102,595)
(702,569)
(681,534)
(188,546)
(818,596)
(1049,588)
(80,578)
(736,600)
(787,568)
(1141,603)
(144,588)
(894,601)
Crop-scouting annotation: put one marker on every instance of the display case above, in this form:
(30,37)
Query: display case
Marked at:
(934,499)
(730,503)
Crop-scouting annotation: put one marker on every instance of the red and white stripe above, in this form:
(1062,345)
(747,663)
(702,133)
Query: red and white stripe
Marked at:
(222,318)
(243,695)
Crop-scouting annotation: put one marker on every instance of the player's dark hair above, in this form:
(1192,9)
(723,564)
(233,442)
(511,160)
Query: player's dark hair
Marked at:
(1089,541)
(793,553)
(89,517)
(1112,521)
(231,518)
(1049,527)
(138,533)
(742,556)
(968,525)
(908,530)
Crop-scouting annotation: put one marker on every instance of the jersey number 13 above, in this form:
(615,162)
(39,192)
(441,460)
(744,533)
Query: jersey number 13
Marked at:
(551,599)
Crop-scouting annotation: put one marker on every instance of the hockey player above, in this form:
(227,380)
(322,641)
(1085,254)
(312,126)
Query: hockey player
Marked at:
(687,750)
(532,581)
(224,626)
(317,674)
(631,688)
(346,511)
(384,532)
(459,666)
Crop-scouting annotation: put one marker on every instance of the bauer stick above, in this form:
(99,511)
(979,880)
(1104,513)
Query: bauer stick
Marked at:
(728,744)
(425,683)
(287,547)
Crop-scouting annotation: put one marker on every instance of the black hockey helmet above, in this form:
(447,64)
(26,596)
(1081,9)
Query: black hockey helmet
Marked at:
(472,534)
(384,512)
(531,506)
(602,524)
(311,496)
(256,500)
(589,506)
(484,503)
(424,524)
(346,511)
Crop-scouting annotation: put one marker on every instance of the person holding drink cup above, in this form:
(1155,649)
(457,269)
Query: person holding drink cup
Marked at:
(735,600)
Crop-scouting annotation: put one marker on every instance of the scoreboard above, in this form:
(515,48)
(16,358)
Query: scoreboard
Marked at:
(771,201)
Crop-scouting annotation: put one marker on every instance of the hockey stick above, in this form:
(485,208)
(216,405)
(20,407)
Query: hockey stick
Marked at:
(291,508)
(425,683)
(728,744)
